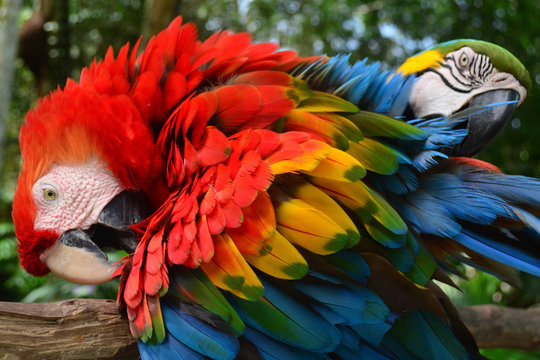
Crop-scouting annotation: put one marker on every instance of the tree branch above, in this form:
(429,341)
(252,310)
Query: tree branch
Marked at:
(503,327)
(70,329)
(92,328)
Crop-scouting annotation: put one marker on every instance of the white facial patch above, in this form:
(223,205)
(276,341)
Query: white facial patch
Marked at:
(462,75)
(73,196)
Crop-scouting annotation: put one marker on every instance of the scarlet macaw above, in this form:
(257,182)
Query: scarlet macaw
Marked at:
(274,206)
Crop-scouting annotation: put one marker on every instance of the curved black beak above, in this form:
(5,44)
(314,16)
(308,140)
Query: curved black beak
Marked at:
(78,254)
(484,126)
(124,210)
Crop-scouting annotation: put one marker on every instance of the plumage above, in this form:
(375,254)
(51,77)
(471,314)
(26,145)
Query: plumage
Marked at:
(298,207)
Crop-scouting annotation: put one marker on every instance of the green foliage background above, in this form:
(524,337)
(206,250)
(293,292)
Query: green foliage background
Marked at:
(382,30)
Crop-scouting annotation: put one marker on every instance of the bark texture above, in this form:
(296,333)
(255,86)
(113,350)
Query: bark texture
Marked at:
(503,327)
(70,329)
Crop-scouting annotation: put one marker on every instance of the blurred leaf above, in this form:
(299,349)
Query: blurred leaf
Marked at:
(510,354)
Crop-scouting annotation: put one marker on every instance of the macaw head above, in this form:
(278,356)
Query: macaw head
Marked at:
(83,154)
(463,74)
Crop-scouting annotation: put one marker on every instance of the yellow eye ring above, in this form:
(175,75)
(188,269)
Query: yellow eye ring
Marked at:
(49,194)
(463,60)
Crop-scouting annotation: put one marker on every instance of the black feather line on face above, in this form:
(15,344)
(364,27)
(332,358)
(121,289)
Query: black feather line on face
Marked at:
(447,83)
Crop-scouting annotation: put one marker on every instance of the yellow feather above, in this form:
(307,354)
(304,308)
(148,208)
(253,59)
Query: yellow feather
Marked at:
(366,202)
(420,62)
(229,270)
(339,166)
(282,261)
(303,190)
(353,195)
(314,151)
(306,226)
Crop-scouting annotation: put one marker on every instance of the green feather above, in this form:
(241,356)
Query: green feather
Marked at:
(194,286)
(431,338)
(324,102)
(373,124)
(375,156)
(423,267)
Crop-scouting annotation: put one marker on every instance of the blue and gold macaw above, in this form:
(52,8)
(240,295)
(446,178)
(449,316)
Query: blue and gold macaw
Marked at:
(274,206)
(464,208)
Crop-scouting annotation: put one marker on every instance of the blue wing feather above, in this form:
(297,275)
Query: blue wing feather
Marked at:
(271,349)
(201,333)
(501,252)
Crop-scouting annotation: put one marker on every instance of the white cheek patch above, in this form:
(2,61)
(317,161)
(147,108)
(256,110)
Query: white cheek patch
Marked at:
(500,80)
(432,96)
(82,193)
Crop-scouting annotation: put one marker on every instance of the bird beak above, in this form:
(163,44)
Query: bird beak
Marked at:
(78,255)
(484,126)
(76,258)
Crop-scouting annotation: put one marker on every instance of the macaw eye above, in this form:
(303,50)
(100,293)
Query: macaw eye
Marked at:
(49,194)
(463,60)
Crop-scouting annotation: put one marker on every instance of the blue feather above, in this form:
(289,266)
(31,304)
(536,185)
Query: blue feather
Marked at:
(353,346)
(529,219)
(401,258)
(501,252)
(363,352)
(170,348)
(351,263)
(372,333)
(298,325)
(349,338)
(427,159)
(358,305)
(431,338)
(401,99)
(512,188)
(205,337)
(463,201)
(361,83)
(428,215)
(271,349)
(402,182)
(333,317)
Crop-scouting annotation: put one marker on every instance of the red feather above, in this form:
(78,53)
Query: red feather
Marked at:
(223,184)
(264,78)
(214,147)
(178,243)
(208,203)
(174,89)
(204,240)
(259,224)
(216,221)
(237,105)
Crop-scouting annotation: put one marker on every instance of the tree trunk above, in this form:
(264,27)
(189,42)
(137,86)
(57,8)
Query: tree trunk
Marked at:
(91,328)
(9,13)
(503,327)
(157,15)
